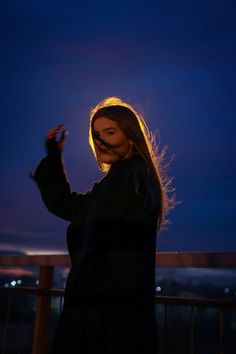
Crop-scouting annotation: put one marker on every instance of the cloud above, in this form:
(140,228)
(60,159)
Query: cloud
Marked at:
(14,238)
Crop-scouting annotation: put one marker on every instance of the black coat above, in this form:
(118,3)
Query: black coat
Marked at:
(112,243)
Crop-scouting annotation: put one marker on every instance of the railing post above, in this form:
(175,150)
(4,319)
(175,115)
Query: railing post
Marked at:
(42,316)
(221,330)
(192,330)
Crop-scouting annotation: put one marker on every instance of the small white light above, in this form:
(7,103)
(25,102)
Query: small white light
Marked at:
(226,290)
(37,282)
(13,283)
(19,281)
(6,285)
(158,288)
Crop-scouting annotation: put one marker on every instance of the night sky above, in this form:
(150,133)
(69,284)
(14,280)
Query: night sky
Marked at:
(173,60)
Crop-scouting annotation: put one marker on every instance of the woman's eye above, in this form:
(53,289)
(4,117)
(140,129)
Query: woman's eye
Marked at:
(110,133)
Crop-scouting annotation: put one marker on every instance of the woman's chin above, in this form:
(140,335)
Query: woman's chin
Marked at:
(108,159)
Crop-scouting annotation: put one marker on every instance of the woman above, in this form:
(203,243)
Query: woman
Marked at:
(109,304)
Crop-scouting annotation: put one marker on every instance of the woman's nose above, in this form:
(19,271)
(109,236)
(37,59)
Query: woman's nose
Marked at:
(98,142)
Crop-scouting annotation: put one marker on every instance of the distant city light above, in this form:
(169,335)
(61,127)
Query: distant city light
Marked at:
(19,281)
(158,288)
(13,283)
(6,285)
(226,290)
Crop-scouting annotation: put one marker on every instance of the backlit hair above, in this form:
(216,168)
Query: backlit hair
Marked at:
(135,128)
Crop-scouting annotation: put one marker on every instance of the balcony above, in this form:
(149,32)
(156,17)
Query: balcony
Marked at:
(186,324)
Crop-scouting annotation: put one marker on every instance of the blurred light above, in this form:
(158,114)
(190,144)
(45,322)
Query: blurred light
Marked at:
(13,283)
(19,281)
(37,282)
(226,290)
(6,285)
(158,288)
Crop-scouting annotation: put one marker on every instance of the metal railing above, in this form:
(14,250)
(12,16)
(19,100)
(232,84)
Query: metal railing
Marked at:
(45,291)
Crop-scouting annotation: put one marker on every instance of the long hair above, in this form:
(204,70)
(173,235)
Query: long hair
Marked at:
(135,128)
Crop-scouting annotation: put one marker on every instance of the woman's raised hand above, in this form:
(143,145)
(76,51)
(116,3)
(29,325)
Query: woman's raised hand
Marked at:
(55,140)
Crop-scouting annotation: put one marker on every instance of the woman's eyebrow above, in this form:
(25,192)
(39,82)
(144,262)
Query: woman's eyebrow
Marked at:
(104,130)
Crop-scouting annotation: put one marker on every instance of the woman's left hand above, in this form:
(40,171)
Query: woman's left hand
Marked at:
(55,146)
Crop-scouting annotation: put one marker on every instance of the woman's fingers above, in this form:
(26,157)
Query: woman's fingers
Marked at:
(56,145)
(61,140)
(54,131)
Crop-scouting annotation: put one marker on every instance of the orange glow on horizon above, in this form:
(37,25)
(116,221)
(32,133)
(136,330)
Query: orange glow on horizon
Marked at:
(16,272)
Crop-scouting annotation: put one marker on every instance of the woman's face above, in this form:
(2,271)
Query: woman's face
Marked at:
(111,143)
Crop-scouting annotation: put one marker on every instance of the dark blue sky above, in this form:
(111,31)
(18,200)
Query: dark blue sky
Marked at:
(173,60)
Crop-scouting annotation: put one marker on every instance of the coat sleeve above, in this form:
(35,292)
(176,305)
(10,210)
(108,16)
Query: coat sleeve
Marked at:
(55,189)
